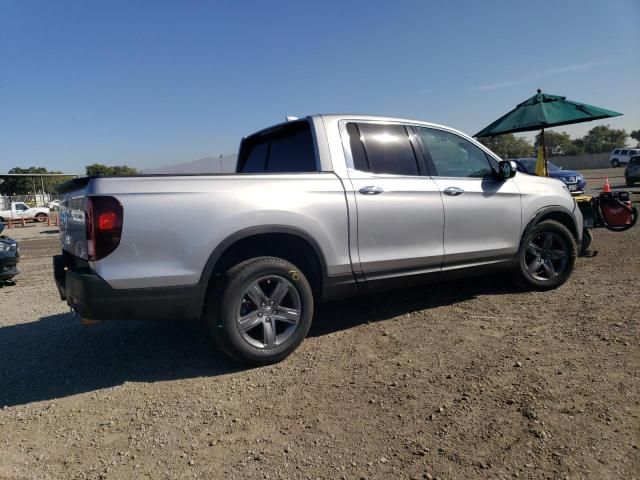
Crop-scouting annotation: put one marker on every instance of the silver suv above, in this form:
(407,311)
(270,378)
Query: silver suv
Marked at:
(621,156)
(323,207)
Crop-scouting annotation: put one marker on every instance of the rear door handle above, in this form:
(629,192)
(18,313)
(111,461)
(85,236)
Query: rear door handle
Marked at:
(453,191)
(371,190)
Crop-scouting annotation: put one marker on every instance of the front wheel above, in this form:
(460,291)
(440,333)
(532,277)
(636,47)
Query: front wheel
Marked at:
(261,310)
(546,257)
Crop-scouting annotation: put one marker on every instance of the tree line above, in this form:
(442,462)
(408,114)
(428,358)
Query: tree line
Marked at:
(31,185)
(600,139)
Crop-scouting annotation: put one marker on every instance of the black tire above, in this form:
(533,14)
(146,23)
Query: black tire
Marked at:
(41,217)
(535,266)
(272,337)
(615,163)
(587,239)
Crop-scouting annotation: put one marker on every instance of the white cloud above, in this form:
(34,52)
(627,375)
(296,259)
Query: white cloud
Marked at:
(538,74)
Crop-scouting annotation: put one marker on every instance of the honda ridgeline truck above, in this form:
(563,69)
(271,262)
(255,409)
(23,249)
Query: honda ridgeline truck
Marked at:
(323,207)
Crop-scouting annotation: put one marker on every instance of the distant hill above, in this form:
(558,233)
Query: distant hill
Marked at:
(226,164)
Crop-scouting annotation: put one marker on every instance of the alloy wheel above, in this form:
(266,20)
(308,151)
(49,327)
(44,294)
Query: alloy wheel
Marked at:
(269,312)
(547,256)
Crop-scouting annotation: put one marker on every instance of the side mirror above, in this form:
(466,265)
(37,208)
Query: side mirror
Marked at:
(506,169)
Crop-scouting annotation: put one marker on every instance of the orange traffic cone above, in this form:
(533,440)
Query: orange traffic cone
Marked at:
(607,187)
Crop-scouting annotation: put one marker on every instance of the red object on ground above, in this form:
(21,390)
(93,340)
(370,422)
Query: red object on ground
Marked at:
(607,187)
(617,214)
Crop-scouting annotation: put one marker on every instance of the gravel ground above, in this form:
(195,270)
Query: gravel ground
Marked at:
(469,379)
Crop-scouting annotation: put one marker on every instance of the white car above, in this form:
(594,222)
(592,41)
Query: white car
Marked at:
(621,156)
(22,210)
(54,205)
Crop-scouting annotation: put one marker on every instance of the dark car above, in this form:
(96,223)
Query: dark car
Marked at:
(632,171)
(9,257)
(574,180)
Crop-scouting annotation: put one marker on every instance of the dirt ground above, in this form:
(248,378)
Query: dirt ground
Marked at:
(468,379)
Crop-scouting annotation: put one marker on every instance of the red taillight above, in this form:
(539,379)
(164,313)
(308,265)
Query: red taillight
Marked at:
(103,221)
(106,221)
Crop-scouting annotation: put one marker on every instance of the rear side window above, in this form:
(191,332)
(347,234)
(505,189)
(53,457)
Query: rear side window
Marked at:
(288,148)
(382,149)
(454,156)
(624,152)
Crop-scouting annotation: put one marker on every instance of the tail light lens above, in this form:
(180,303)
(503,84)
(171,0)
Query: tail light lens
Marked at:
(103,221)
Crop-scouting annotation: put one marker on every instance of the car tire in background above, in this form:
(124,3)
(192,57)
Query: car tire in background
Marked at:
(615,163)
(260,310)
(41,217)
(546,256)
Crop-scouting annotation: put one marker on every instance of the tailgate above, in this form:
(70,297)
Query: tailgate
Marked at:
(72,217)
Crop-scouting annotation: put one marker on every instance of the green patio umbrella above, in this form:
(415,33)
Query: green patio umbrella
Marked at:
(544,111)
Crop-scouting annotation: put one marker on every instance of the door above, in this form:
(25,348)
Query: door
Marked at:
(20,210)
(399,209)
(483,215)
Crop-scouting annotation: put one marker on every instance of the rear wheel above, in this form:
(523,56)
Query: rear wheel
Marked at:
(546,257)
(261,310)
(615,163)
(41,217)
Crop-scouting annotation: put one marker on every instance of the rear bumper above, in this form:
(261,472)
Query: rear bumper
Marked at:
(93,298)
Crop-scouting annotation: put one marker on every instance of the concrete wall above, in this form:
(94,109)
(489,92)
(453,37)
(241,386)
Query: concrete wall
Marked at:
(583,162)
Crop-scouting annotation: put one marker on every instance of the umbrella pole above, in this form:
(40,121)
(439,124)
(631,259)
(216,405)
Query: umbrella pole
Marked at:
(544,152)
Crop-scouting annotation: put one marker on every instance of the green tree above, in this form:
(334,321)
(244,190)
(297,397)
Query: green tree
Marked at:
(124,170)
(577,147)
(603,139)
(557,143)
(100,169)
(29,185)
(635,135)
(508,146)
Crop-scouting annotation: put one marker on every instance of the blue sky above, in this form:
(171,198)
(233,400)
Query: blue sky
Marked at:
(149,83)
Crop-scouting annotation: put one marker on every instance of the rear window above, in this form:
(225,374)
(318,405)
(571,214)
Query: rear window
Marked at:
(380,148)
(285,149)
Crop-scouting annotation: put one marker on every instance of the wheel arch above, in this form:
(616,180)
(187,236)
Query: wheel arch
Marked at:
(283,241)
(559,214)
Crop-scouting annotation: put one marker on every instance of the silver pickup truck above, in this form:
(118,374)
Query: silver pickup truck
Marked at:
(322,207)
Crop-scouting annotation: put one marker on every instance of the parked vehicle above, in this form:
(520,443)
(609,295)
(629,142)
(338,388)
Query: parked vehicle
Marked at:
(632,171)
(22,210)
(323,207)
(9,257)
(54,205)
(574,180)
(621,156)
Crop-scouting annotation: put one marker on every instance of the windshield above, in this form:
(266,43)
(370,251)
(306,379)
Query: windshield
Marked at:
(529,165)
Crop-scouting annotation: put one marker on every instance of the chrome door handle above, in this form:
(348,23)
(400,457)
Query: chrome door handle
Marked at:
(371,190)
(453,191)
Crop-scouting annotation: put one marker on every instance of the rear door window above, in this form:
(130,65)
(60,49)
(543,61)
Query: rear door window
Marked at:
(624,152)
(285,149)
(381,148)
